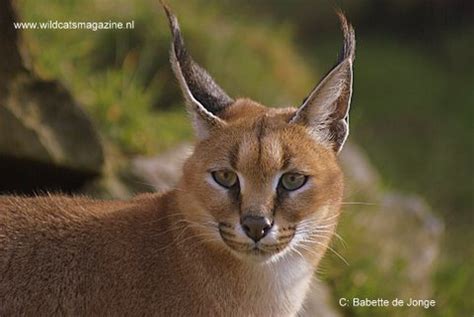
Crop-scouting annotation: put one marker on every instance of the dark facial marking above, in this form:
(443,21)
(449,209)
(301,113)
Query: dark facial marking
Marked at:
(234,155)
(226,225)
(289,228)
(286,157)
(235,196)
(260,132)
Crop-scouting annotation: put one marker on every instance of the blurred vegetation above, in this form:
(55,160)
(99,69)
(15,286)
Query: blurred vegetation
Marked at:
(124,78)
(412,107)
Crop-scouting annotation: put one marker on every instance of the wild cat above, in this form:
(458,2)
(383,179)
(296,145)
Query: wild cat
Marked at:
(240,235)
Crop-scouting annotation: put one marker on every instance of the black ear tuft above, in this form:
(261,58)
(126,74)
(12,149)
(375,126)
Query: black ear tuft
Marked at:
(325,112)
(348,47)
(199,83)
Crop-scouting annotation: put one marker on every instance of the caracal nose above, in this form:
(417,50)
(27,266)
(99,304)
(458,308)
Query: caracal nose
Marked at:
(255,227)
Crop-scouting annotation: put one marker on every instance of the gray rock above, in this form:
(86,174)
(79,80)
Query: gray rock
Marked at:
(162,172)
(40,122)
(46,139)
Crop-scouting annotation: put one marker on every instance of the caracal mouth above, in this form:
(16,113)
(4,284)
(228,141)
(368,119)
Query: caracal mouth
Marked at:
(260,251)
(254,251)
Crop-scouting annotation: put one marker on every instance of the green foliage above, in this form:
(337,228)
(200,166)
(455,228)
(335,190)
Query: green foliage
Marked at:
(123,77)
(454,280)
(368,273)
(422,116)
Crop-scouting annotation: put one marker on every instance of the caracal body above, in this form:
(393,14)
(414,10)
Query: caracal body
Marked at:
(240,235)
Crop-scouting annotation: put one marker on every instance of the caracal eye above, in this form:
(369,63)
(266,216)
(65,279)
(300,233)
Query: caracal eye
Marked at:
(293,181)
(225,178)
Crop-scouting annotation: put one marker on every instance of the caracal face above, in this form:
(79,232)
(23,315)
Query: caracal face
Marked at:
(267,186)
(263,182)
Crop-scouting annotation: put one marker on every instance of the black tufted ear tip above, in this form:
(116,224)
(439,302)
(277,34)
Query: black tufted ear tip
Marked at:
(349,44)
(203,96)
(179,49)
(325,112)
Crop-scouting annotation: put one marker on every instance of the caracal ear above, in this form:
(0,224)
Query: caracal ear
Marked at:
(204,98)
(325,112)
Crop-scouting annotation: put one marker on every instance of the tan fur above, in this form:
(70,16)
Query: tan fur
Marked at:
(157,254)
(184,253)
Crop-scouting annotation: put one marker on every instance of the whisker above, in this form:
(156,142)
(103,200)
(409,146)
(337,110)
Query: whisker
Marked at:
(294,249)
(330,248)
(198,236)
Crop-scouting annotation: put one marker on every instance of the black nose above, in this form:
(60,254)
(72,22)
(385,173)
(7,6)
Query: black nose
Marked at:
(255,227)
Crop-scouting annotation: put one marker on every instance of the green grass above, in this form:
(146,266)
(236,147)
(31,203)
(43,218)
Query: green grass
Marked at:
(124,80)
(412,112)
(411,107)
(419,135)
(363,276)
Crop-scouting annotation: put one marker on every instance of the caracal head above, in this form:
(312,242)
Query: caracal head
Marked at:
(263,182)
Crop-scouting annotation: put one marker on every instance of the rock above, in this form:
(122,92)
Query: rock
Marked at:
(162,172)
(46,139)
(43,132)
(40,121)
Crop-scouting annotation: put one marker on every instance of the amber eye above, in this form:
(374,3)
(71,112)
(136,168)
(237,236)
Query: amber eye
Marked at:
(225,178)
(293,181)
